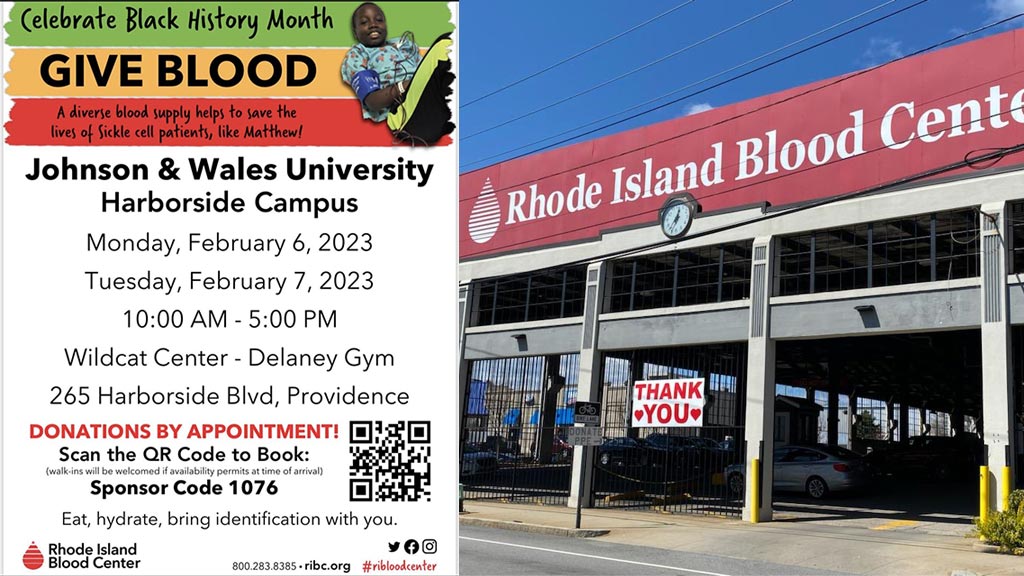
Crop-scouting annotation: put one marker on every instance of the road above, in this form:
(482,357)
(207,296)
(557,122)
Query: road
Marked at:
(495,552)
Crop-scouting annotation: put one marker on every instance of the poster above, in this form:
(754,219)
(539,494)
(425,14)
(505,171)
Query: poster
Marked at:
(228,306)
(673,403)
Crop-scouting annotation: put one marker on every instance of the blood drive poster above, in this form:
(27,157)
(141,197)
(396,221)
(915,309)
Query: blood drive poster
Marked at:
(215,355)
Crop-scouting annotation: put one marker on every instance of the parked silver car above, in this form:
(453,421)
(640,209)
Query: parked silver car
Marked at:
(816,470)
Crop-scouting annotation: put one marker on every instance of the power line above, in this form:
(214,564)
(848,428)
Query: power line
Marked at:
(867,122)
(969,161)
(692,84)
(973,162)
(994,156)
(766,106)
(631,72)
(728,80)
(578,54)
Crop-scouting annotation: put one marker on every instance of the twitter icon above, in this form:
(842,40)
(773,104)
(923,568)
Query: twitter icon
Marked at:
(393,546)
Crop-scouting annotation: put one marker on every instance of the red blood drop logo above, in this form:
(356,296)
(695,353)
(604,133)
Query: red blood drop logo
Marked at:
(33,558)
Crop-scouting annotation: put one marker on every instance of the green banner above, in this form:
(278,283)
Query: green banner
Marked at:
(203,24)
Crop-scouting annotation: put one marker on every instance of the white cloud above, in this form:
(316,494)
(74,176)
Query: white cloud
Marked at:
(881,50)
(999,9)
(697,108)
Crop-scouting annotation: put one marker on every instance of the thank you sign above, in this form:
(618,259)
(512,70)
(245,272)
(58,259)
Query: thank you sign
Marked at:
(678,402)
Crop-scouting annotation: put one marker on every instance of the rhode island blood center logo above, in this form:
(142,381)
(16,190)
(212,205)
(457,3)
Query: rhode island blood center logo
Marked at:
(33,558)
(486,215)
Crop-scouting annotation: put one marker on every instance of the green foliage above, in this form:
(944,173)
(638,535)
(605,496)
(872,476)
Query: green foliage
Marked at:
(1005,529)
(866,428)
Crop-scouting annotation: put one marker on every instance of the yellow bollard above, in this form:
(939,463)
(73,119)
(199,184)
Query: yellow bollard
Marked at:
(755,491)
(983,493)
(1004,497)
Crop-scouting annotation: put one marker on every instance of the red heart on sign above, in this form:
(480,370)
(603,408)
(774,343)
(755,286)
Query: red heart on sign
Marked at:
(695,413)
(638,414)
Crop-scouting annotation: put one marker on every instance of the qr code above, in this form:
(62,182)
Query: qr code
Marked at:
(390,461)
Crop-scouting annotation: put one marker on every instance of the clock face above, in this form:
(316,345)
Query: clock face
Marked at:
(675,219)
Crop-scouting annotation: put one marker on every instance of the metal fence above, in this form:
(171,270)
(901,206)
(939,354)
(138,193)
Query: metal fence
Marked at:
(514,419)
(1017,343)
(674,469)
(517,410)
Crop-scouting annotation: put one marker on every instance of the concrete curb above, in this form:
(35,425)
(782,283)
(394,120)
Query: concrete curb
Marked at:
(532,528)
(993,549)
(983,547)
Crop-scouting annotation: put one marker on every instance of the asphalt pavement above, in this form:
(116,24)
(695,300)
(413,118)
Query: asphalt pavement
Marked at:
(493,551)
(709,544)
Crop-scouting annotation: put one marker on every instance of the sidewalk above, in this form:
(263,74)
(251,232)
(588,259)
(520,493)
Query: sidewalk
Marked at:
(855,549)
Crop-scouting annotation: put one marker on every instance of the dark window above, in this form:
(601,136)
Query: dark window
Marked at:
(510,300)
(686,277)
(654,281)
(794,276)
(575,291)
(736,272)
(923,248)
(699,276)
(957,244)
(545,295)
(1016,211)
(621,288)
(841,259)
(902,250)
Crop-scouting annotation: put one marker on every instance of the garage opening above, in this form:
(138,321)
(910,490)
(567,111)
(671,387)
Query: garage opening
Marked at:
(672,469)
(884,429)
(514,419)
(1017,342)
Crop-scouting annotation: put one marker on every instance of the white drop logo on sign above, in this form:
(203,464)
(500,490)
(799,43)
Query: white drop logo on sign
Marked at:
(486,215)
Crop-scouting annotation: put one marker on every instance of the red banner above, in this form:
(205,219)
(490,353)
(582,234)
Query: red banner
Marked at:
(193,122)
(811,142)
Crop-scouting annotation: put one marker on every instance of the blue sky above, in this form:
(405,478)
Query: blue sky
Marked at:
(502,42)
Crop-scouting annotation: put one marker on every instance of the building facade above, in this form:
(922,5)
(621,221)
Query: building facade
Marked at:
(859,243)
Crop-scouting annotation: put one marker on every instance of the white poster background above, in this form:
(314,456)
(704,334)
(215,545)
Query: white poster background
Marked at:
(673,403)
(47,307)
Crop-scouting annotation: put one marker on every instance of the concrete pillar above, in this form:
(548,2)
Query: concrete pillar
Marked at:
(956,421)
(760,422)
(904,421)
(890,418)
(589,383)
(465,313)
(833,413)
(636,372)
(996,385)
(853,438)
(836,367)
